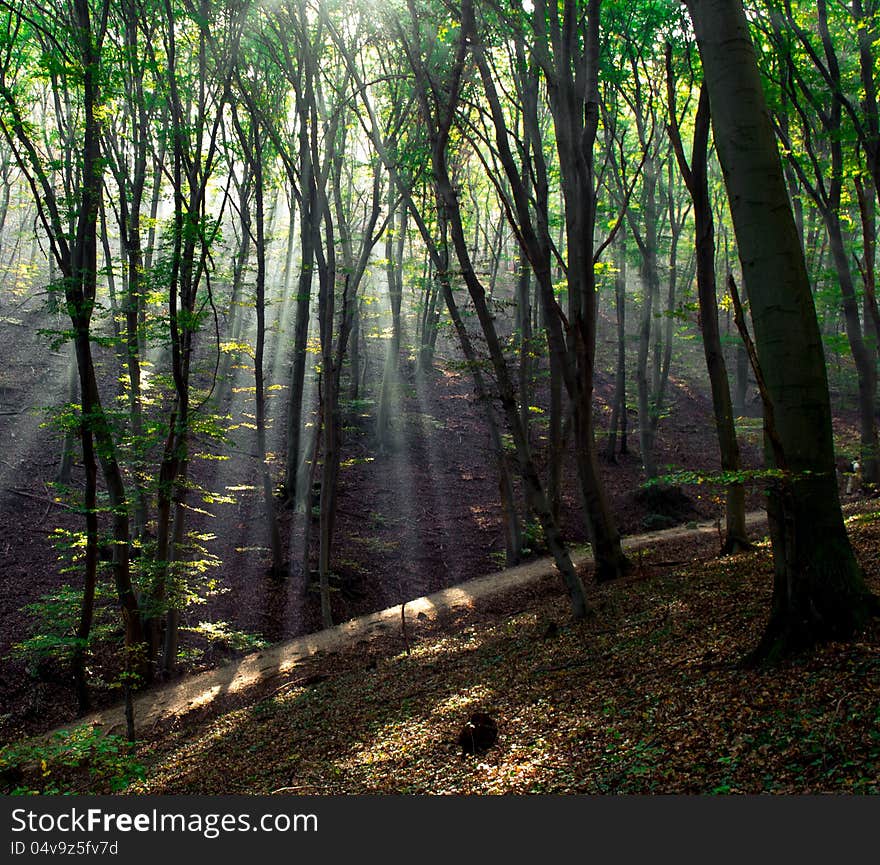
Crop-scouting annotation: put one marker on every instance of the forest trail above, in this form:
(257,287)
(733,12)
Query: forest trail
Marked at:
(195,693)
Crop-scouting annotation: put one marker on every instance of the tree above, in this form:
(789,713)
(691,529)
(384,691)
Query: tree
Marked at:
(252,144)
(567,51)
(818,592)
(822,128)
(571,337)
(438,111)
(195,119)
(696,178)
(77,33)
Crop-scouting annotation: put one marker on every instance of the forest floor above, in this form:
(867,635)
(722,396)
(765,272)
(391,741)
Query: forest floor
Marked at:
(420,518)
(194,693)
(647,695)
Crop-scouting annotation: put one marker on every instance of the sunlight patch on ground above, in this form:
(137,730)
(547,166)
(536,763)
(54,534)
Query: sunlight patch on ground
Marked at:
(387,758)
(463,701)
(205,697)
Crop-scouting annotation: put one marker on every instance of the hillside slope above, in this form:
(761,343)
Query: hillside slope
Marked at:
(645,696)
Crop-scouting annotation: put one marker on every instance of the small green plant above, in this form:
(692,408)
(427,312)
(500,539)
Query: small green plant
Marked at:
(188,582)
(532,536)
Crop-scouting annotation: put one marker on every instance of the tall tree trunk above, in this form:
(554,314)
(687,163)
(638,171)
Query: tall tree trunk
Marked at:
(448,200)
(819,592)
(618,405)
(866,197)
(696,177)
(575,112)
(90,569)
(254,155)
(651,289)
(389,394)
(866,369)
(301,330)
(827,193)
(524,336)
(65,467)
(354,356)
(332,434)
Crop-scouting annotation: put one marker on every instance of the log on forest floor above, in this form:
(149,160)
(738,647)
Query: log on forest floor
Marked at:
(196,693)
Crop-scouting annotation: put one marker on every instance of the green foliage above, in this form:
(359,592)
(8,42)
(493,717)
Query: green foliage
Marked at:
(533,536)
(687,477)
(56,614)
(55,622)
(64,418)
(836,343)
(50,767)
(187,581)
(223,634)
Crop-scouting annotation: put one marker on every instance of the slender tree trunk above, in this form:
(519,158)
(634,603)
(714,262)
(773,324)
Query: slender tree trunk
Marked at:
(354,355)
(65,467)
(430,319)
(618,405)
(696,177)
(172,625)
(536,498)
(90,568)
(301,332)
(4,201)
(575,109)
(866,369)
(651,288)
(496,251)
(329,474)
(556,453)
(524,336)
(111,286)
(234,326)
(866,197)
(389,394)
(274,535)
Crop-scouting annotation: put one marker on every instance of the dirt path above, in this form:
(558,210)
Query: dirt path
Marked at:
(198,692)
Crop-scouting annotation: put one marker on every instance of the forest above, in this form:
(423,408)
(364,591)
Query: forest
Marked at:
(496,378)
